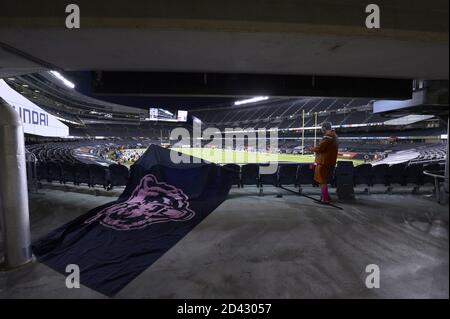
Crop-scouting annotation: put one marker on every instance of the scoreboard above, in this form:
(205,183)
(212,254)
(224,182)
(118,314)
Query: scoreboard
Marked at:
(159,114)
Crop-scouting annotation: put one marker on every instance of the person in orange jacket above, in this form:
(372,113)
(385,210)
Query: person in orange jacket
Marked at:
(326,157)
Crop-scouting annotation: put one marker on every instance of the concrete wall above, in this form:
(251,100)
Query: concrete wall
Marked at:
(321,37)
(410,15)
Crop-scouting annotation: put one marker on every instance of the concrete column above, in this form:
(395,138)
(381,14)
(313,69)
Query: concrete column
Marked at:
(14,214)
(446,160)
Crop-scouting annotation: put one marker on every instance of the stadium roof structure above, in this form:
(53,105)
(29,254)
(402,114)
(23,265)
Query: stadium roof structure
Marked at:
(77,109)
(68,104)
(428,98)
(228,35)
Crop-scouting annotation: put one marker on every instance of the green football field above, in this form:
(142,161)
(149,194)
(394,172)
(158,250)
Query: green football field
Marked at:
(229,156)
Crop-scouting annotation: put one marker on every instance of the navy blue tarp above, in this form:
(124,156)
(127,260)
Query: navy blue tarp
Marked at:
(114,243)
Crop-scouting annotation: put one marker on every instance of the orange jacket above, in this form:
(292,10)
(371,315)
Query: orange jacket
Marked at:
(326,151)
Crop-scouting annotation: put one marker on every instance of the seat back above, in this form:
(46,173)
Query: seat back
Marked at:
(54,171)
(67,172)
(82,175)
(363,174)
(396,174)
(344,173)
(42,171)
(118,175)
(414,174)
(250,174)
(267,179)
(99,175)
(234,172)
(287,174)
(305,175)
(380,174)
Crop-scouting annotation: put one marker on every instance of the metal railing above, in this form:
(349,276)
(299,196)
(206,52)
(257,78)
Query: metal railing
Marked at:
(438,180)
(440,160)
(32,179)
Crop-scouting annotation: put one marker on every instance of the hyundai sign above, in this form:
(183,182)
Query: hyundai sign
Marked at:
(35,120)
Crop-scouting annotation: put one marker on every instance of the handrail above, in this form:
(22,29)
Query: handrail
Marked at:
(427,161)
(31,162)
(433,174)
(437,184)
(30,156)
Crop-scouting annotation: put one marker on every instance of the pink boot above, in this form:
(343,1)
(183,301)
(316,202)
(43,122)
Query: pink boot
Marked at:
(325,195)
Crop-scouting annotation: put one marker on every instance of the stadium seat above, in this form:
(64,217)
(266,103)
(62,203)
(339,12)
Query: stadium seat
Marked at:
(42,171)
(235,171)
(67,173)
(99,175)
(363,175)
(268,179)
(305,175)
(396,174)
(82,174)
(118,175)
(344,174)
(54,171)
(380,175)
(31,168)
(250,174)
(414,175)
(287,174)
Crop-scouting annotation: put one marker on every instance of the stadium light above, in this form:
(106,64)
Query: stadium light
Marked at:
(252,100)
(62,79)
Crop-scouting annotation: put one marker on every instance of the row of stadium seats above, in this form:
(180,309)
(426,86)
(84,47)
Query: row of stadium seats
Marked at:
(90,150)
(286,174)
(62,152)
(301,174)
(434,153)
(388,175)
(285,113)
(132,129)
(250,174)
(79,173)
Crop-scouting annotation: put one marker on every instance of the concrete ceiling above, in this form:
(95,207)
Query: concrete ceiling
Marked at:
(412,43)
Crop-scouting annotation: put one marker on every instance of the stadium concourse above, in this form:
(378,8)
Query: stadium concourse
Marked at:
(394,220)
(394,215)
(190,151)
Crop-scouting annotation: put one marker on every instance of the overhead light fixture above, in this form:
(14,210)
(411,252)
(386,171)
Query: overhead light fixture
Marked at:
(62,79)
(25,85)
(252,100)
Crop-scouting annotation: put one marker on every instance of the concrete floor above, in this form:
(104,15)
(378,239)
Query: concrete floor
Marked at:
(269,247)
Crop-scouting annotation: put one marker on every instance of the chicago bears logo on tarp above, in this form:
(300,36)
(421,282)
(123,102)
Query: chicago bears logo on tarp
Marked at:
(150,203)
(114,243)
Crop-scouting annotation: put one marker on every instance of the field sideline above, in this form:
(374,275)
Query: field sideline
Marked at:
(230,156)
